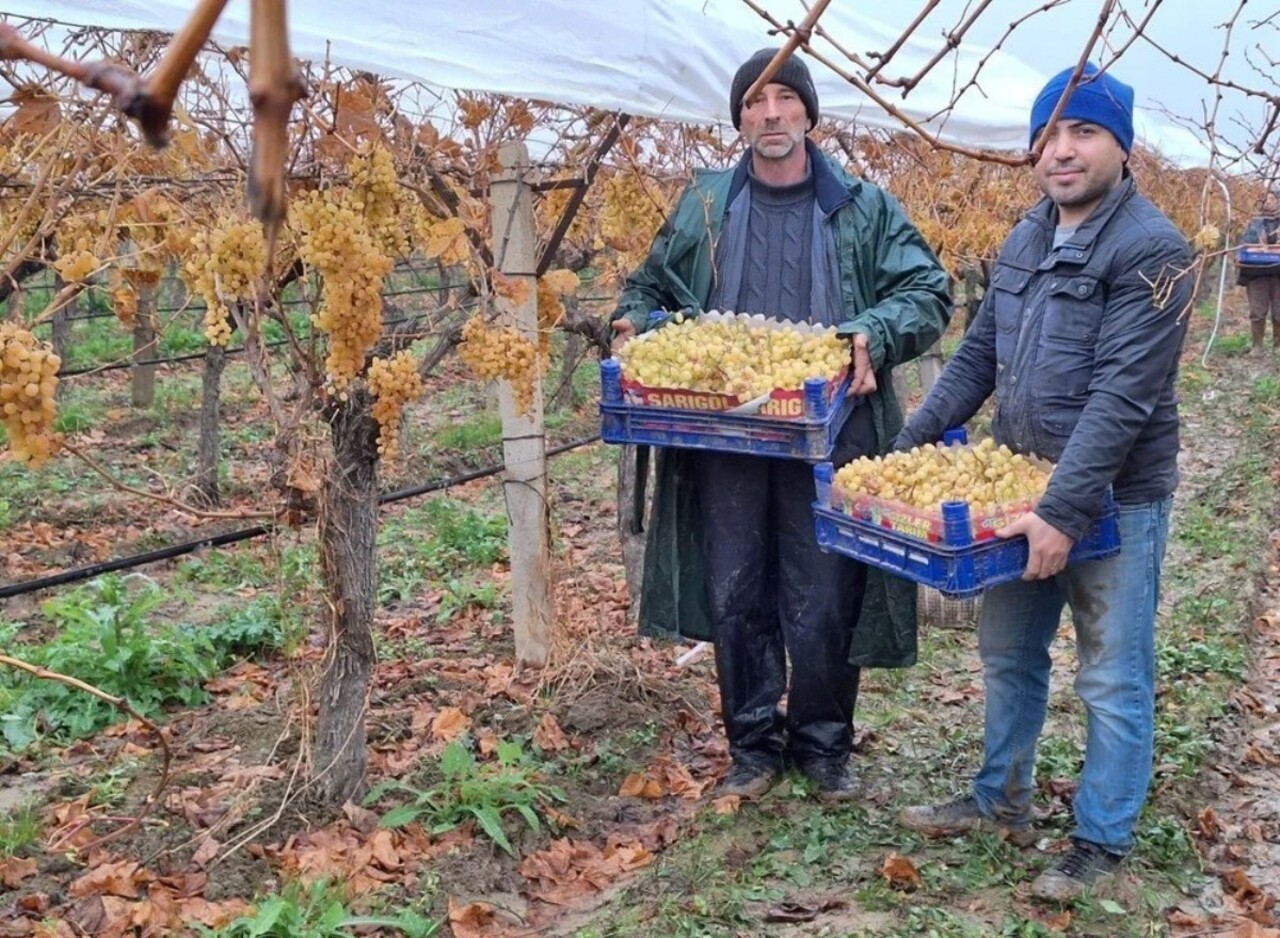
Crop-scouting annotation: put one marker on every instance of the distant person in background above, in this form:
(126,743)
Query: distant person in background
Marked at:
(1078,338)
(1262,281)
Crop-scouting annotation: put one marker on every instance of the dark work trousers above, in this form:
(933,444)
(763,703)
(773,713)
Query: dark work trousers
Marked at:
(774,595)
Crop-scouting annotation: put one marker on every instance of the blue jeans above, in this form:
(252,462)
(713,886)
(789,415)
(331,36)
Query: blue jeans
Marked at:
(1113,604)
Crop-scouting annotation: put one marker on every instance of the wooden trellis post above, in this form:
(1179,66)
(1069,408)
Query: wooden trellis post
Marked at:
(523,435)
(930,364)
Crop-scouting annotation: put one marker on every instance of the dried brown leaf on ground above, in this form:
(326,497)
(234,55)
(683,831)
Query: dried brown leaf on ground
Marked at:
(470,920)
(569,871)
(449,724)
(549,736)
(116,878)
(900,873)
(15,869)
(640,785)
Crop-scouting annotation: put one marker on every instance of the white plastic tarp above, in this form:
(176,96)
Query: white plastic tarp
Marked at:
(673,59)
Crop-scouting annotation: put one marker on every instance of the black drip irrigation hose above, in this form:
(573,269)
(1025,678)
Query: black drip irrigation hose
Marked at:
(218,540)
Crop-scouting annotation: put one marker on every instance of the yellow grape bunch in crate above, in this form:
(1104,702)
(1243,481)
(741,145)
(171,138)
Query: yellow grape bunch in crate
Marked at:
(985,475)
(727,353)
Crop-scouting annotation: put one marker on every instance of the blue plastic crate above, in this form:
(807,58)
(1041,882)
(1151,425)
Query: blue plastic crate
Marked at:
(1256,257)
(958,567)
(810,437)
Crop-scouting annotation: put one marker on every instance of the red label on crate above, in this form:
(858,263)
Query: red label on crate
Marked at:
(682,400)
(783,403)
(922,523)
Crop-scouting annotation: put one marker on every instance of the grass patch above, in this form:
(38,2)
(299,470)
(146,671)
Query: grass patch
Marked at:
(19,829)
(477,432)
(437,545)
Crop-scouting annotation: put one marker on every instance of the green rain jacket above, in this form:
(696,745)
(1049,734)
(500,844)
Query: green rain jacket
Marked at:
(893,290)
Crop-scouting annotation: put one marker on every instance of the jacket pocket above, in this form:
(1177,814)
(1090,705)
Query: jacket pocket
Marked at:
(1073,311)
(1008,296)
(1068,344)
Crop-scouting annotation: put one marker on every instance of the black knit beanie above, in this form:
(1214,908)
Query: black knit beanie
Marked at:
(794,74)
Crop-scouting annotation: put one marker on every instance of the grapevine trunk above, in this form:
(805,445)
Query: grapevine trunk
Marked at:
(347,534)
(208,444)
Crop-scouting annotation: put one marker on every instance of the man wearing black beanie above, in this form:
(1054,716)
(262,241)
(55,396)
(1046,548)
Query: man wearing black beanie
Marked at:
(1078,338)
(731,555)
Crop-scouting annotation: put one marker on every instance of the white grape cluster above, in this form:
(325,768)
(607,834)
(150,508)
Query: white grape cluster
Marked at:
(226,264)
(334,240)
(28,383)
(493,352)
(985,475)
(732,354)
(375,193)
(394,382)
(76,243)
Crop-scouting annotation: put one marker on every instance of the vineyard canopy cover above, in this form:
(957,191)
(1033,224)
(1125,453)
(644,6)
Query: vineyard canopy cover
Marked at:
(673,59)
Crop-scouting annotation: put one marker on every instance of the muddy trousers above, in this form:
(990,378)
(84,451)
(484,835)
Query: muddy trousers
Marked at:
(1264,304)
(1113,605)
(774,596)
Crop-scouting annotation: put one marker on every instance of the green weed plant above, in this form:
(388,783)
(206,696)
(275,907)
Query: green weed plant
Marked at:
(471,790)
(317,911)
(104,636)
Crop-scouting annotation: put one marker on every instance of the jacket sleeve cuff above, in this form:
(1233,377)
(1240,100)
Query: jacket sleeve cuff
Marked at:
(1068,520)
(875,342)
(637,317)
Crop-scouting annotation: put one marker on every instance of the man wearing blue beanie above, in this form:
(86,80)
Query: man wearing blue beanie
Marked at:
(1078,338)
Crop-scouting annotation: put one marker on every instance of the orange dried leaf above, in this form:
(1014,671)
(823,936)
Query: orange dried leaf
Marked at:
(102,915)
(509,288)
(206,852)
(549,737)
(900,873)
(384,850)
(1251,929)
(120,878)
(15,869)
(472,920)
(488,743)
(1059,922)
(213,914)
(560,819)
(638,785)
(38,111)
(727,804)
(1208,825)
(449,724)
(1240,886)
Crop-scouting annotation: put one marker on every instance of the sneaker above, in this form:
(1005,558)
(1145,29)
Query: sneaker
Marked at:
(1080,868)
(960,816)
(833,779)
(749,778)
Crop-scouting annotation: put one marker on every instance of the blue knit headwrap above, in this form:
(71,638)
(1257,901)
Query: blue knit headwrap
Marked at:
(1102,100)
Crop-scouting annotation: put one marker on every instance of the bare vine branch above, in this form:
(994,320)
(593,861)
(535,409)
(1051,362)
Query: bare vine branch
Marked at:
(121,703)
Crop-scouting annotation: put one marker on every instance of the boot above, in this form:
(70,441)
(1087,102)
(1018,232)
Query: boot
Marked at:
(1259,332)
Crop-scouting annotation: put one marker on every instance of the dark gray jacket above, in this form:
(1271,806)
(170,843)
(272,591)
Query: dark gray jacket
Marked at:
(1080,345)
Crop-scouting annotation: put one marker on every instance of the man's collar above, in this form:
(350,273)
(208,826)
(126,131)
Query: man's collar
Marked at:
(830,190)
(1045,211)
